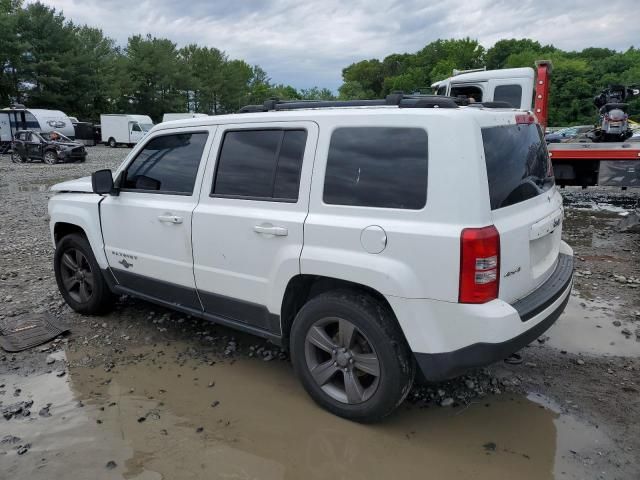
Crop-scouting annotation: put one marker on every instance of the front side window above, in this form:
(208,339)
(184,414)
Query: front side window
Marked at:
(510,94)
(260,164)
(166,164)
(377,167)
(135,127)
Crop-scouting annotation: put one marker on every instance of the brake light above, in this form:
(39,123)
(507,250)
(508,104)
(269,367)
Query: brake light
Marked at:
(525,118)
(479,265)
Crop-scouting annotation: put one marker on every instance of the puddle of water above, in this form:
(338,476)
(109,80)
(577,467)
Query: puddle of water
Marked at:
(586,326)
(266,427)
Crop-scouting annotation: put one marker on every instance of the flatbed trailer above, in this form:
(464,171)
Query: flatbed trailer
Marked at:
(586,164)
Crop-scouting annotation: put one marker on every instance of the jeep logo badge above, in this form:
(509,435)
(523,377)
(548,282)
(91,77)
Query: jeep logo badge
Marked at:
(125,264)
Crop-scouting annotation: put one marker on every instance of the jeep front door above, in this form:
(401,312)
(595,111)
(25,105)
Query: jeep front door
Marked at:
(147,227)
(248,225)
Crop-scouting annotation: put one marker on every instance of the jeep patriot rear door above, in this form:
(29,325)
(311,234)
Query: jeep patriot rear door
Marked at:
(248,225)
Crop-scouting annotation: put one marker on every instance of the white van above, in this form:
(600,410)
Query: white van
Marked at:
(511,85)
(124,129)
(167,117)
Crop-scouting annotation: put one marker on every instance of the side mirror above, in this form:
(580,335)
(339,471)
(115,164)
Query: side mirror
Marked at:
(102,182)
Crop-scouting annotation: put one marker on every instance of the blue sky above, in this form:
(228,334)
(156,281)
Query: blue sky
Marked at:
(308,43)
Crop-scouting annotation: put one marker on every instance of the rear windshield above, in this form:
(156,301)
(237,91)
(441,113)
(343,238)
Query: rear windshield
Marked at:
(518,165)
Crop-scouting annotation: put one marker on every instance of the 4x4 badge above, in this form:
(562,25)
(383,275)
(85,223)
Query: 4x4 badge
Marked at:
(125,264)
(512,272)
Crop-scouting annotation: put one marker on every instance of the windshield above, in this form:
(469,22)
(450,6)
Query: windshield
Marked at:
(55,137)
(146,126)
(518,164)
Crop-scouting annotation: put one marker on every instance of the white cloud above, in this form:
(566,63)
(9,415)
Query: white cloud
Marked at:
(308,43)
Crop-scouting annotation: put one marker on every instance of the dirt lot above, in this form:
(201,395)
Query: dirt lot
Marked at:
(145,393)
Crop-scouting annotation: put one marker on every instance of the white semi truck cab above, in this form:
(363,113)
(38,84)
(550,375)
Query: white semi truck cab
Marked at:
(512,85)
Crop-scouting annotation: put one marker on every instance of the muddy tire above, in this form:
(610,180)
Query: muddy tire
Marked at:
(50,158)
(79,277)
(350,355)
(112,142)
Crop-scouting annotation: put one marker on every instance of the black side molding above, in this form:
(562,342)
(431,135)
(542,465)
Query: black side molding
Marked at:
(270,330)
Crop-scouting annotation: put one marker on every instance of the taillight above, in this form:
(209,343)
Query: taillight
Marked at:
(479,264)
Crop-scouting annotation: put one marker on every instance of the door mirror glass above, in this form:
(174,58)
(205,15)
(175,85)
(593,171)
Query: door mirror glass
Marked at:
(102,182)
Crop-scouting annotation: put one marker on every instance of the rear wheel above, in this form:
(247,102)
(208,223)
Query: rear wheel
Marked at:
(351,356)
(112,142)
(79,277)
(50,157)
(17,158)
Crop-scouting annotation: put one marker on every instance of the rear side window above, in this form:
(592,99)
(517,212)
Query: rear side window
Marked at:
(377,167)
(167,164)
(260,164)
(518,165)
(508,93)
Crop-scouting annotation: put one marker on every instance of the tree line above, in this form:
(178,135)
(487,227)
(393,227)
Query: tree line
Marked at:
(576,78)
(50,62)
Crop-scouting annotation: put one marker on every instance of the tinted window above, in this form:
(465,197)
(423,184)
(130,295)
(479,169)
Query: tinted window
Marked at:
(518,165)
(263,164)
(167,164)
(377,167)
(508,93)
(287,181)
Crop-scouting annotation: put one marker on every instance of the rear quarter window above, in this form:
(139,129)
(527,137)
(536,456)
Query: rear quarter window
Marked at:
(377,167)
(518,164)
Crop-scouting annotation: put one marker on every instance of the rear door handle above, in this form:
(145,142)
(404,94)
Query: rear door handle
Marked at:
(269,229)
(170,218)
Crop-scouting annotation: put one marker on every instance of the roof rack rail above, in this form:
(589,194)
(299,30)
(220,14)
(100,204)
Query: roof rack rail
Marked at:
(398,99)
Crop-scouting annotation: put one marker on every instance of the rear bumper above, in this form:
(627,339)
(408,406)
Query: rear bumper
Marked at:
(536,313)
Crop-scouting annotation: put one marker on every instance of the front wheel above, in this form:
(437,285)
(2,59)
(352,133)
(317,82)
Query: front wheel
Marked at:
(79,278)
(351,356)
(50,158)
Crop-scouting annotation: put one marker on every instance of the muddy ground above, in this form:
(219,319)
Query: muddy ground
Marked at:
(146,393)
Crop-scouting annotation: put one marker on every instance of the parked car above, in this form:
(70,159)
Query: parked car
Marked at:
(51,148)
(568,133)
(345,234)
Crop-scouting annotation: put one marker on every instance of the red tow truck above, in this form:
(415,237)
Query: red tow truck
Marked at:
(583,164)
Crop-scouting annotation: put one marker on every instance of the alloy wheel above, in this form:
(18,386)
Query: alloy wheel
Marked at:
(77,276)
(341,360)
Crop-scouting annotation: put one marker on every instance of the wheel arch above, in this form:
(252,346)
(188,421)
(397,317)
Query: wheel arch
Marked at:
(303,287)
(77,213)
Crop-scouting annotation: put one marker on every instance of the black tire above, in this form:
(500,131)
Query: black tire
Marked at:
(99,299)
(112,142)
(17,158)
(374,324)
(50,157)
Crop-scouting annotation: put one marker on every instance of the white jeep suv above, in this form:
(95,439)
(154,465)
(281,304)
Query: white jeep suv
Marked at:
(368,237)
